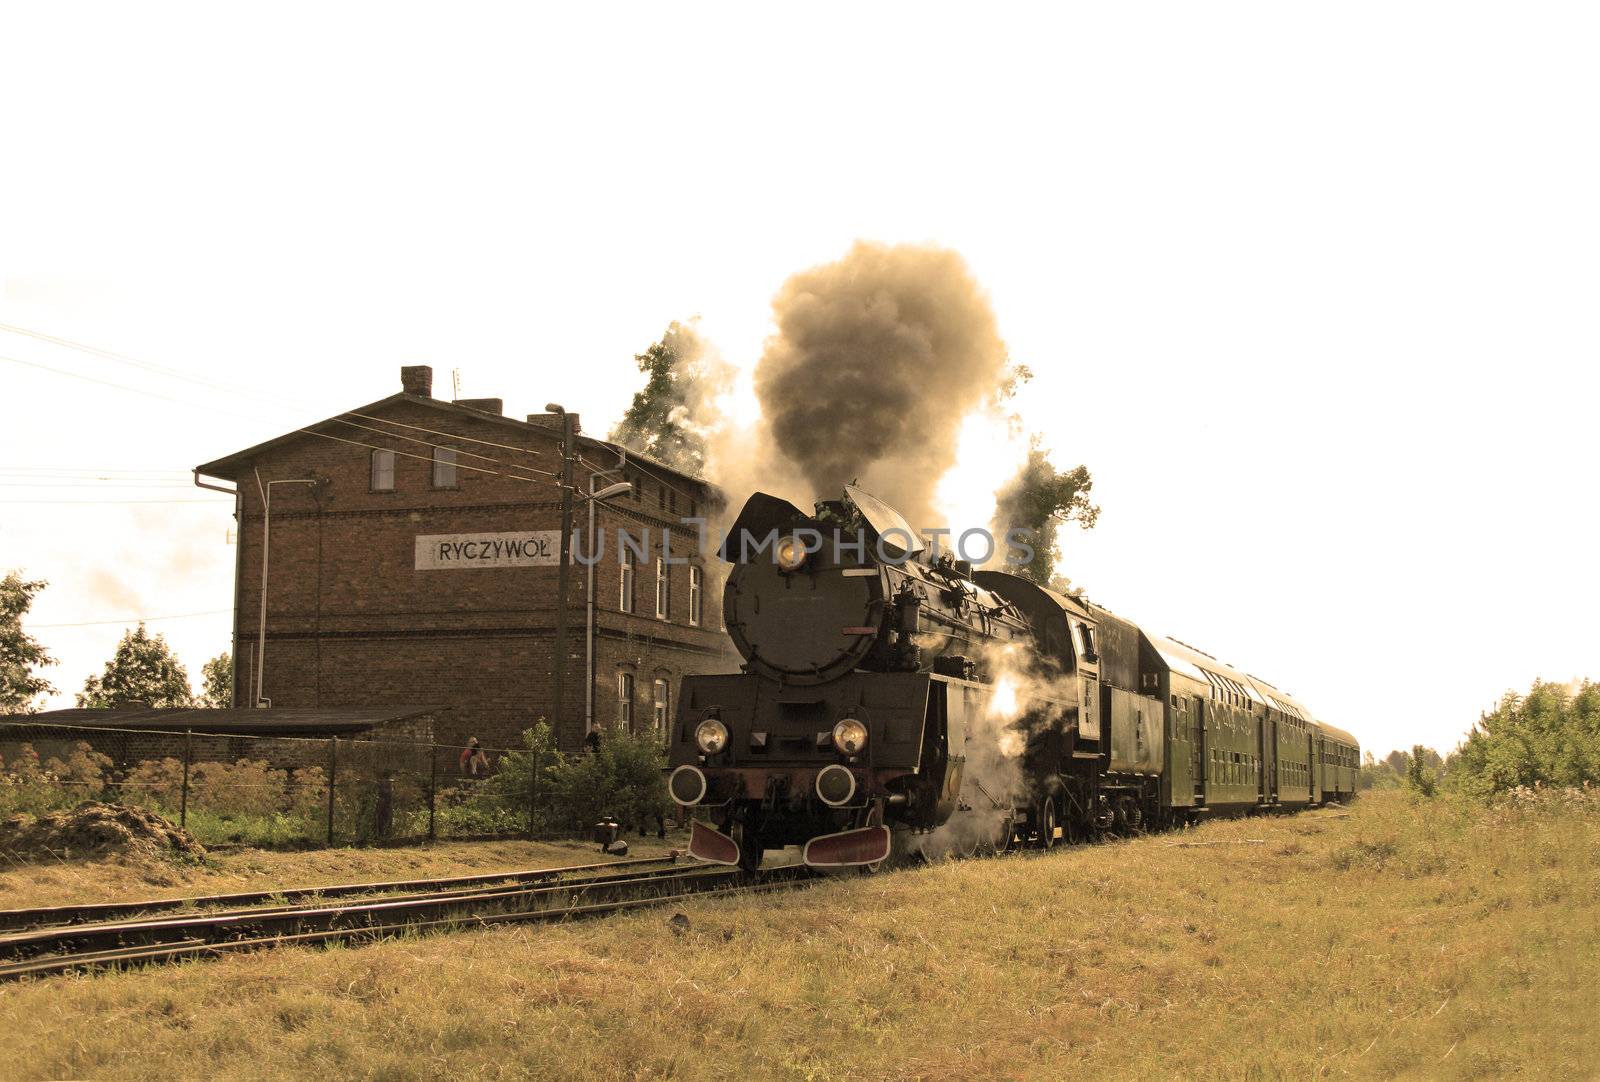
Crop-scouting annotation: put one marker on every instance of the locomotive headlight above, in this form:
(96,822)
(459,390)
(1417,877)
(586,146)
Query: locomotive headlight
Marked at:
(790,554)
(711,735)
(850,736)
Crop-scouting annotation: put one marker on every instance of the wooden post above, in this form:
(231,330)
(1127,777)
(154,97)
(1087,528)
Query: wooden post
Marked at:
(333,775)
(183,801)
(433,788)
(533,792)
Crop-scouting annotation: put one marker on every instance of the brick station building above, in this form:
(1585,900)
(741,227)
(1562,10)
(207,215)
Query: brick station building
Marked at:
(420,564)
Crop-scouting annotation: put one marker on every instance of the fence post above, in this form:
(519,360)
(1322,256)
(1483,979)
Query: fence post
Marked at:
(533,792)
(183,801)
(433,788)
(333,774)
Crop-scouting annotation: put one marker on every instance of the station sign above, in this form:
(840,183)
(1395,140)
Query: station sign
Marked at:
(464,551)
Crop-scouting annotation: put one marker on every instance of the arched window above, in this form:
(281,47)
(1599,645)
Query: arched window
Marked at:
(625,700)
(659,696)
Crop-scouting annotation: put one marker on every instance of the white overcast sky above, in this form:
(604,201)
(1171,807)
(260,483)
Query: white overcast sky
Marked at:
(1310,289)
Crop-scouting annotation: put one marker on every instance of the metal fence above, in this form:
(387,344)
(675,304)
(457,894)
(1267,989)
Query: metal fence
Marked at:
(276,790)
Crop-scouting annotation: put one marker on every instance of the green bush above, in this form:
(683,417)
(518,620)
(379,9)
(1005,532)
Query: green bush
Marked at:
(625,778)
(34,787)
(1550,736)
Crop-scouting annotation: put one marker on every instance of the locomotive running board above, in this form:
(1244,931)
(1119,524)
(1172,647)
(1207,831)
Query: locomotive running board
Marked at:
(848,848)
(711,845)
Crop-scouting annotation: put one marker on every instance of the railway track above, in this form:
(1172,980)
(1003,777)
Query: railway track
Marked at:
(82,938)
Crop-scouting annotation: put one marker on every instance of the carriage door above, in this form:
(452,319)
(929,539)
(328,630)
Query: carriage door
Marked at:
(1269,757)
(1197,746)
(1311,763)
(1180,780)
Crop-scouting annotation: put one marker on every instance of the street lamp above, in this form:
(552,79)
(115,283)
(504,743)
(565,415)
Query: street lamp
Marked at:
(594,499)
(266,535)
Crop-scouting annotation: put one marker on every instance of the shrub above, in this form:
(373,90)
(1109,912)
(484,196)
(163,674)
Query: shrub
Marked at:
(1551,736)
(30,786)
(1419,778)
(625,778)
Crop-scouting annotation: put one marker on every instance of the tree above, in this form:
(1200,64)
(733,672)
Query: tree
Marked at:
(1419,778)
(1550,736)
(670,415)
(20,653)
(144,670)
(1039,499)
(216,682)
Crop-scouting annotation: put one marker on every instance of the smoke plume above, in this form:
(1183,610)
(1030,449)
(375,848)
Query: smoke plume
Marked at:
(1026,700)
(877,359)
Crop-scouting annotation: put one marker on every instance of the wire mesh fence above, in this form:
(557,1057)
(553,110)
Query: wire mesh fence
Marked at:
(284,790)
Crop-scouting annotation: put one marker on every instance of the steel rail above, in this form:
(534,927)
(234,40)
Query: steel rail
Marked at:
(172,952)
(243,922)
(50,916)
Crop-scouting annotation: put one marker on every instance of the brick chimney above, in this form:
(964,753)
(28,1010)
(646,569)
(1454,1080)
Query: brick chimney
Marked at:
(495,406)
(417,379)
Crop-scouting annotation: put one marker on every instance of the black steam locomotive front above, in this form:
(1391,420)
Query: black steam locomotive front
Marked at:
(864,673)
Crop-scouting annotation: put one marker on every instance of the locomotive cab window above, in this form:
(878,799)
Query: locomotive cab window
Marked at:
(1086,642)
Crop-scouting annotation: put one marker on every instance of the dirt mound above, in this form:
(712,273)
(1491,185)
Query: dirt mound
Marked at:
(93,829)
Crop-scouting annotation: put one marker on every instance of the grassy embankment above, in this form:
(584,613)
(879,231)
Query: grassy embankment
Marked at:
(1437,940)
(71,882)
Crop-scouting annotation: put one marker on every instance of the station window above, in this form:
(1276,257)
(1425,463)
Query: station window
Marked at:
(663,589)
(625,699)
(444,467)
(659,706)
(695,587)
(382,471)
(625,595)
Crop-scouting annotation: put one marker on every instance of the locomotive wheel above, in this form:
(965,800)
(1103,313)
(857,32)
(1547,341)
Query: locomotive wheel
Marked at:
(1129,815)
(1007,829)
(998,838)
(1044,819)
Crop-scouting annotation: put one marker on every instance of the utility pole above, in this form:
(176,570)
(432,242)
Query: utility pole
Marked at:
(569,436)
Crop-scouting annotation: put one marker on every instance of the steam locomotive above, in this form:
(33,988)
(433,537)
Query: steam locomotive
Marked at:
(893,702)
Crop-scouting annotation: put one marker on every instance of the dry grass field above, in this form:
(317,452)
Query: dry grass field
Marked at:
(72,882)
(1391,939)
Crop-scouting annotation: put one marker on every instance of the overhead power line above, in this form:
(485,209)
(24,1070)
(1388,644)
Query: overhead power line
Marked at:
(130,620)
(302,431)
(149,366)
(338,419)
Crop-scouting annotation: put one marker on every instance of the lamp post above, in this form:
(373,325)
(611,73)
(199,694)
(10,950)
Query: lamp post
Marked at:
(266,535)
(588,653)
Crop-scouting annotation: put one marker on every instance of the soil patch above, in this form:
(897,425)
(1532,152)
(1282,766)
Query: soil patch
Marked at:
(94,829)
